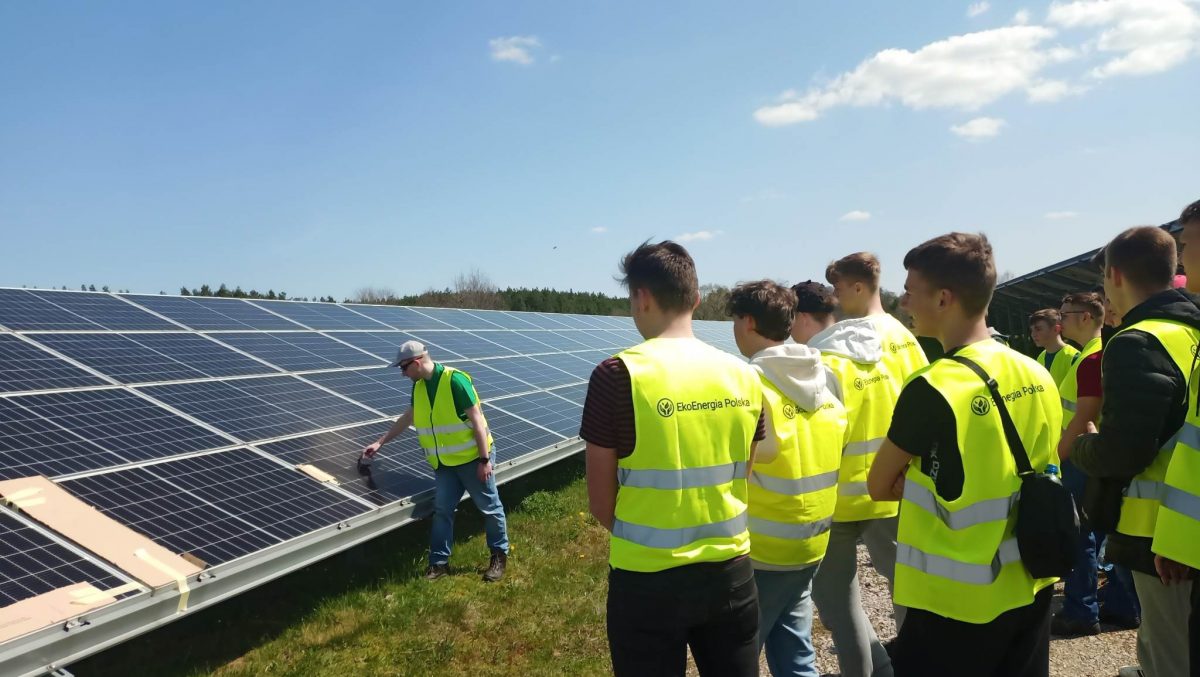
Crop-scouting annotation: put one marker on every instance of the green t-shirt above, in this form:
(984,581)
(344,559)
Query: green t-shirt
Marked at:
(460,388)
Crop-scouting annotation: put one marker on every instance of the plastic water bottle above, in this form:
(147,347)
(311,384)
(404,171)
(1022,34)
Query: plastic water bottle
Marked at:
(1052,472)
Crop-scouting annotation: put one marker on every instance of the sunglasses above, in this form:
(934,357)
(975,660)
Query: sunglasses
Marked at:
(408,363)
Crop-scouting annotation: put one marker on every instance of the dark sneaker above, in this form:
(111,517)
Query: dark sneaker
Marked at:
(1067,627)
(1123,622)
(495,570)
(436,571)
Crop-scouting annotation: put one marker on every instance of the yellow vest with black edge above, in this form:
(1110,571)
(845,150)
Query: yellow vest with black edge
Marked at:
(959,558)
(1139,507)
(1177,529)
(1068,387)
(1066,358)
(869,394)
(792,497)
(682,493)
(447,439)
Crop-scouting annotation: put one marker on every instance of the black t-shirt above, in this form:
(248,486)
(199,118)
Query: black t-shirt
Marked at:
(923,425)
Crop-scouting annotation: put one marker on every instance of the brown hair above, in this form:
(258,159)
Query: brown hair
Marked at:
(960,262)
(1048,315)
(772,305)
(857,267)
(666,270)
(1087,300)
(1145,255)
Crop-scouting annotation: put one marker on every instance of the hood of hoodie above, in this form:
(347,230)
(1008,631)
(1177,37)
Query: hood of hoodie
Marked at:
(797,371)
(856,339)
(1173,304)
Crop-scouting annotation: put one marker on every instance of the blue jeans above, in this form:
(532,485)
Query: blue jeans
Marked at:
(449,482)
(785,620)
(1080,599)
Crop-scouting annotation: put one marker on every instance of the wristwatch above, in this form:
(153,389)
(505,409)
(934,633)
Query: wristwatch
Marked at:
(483,459)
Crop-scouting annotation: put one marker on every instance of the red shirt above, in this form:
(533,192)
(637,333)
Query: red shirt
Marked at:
(1088,376)
(608,410)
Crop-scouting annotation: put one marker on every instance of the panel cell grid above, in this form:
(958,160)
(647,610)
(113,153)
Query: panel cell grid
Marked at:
(579,367)
(503,319)
(382,344)
(492,382)
(515,438)
(31,564)
(549,411)
(399,317)
(243,312)
(452,344)
(531,371)
(31,445)
(22,311)
(383,389)
(576,393)
(458,319)
(202,354)
(522,344)
(299,351)
(107,311)
(558,340)
(27,367)
(189,313)
(320,315)
(120,357)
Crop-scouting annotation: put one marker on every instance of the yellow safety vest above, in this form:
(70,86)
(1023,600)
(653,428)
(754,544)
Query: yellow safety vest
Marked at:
(447,439)
(1068,386)
(959,558)
(1139,507)
(1177,529)
(682,492)
(1066,358)
(792,496)
(902,354)
(869,394)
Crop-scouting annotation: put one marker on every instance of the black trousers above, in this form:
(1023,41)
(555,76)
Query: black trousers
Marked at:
(711,607)
(1015,644)
(1194,629)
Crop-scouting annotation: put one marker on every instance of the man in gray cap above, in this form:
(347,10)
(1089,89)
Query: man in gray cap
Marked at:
(454,434)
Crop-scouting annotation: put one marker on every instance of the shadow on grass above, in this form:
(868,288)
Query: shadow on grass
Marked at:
(205,640)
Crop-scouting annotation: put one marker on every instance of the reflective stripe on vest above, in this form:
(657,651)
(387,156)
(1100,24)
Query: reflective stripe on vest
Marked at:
(446,438)
(689,478)
(792,496)
(1140,505)
(958,558)
(863,447)
(1177,529)
(682,496)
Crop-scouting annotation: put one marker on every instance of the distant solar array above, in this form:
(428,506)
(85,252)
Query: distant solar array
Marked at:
(185,418)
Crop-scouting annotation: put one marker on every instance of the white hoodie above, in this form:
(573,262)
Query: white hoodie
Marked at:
(797,371)
(855,339)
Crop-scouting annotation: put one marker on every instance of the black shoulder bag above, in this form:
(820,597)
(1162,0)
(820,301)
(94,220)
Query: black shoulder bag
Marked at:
(1047,526)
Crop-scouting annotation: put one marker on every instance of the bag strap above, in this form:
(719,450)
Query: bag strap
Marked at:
(1010,431)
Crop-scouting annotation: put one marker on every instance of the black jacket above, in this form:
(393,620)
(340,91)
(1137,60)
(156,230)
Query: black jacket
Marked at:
(1145,402)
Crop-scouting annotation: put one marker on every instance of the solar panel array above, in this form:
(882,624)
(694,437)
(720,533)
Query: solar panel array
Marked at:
(184,418)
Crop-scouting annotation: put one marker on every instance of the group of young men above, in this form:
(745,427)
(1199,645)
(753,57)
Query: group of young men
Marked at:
(736,493)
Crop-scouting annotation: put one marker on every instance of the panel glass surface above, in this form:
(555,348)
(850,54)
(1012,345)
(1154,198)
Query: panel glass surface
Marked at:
(216,507)
(299,351)
(384,389)
(515,438)
(189,313)
(576,393)
(320,315)
(399,317)
(458,319)
(555,339)
(492,382)
(27,367)
(382,344)
(202,354)
(105,310)
(531,371)
(453,344)
(23,311)
(519,343)
(501,318)
(31,564)
(31,445)
(398,471)
(245,313)
(549,411)
(120,357)
(579,367)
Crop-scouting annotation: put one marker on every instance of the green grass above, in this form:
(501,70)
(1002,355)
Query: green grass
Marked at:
(368,611)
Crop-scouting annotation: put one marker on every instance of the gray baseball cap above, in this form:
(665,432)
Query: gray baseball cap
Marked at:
(408,350)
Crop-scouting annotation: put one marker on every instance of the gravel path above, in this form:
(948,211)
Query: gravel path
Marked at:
(1098,656)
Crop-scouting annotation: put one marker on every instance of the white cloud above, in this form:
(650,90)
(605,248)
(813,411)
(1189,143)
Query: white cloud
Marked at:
(978,8)
(599,229)
(965,72)
(1049,91)
(516,48)
(697,236)
(1141,37)
(856,215)
(1022,17)
(979,128)
(1059,216)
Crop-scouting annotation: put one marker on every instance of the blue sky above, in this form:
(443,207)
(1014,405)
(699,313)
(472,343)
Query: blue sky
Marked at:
(323,147)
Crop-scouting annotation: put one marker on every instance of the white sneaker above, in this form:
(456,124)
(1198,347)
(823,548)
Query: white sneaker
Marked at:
(1131,671)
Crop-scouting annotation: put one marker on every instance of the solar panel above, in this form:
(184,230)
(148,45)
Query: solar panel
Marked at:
(320,315)
(24,367)
(299,351)
(216,507)
(32,564)
(185,418)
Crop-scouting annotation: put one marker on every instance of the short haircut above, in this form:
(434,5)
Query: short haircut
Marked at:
(1087,300)
(815,299)
(1145,255)
(772,305)
(666,270)
(960,262)
(1048,315)
(857,267)
(1190,214)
